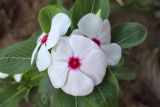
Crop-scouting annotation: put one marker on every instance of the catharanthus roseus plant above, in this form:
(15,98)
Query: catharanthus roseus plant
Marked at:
(79,56)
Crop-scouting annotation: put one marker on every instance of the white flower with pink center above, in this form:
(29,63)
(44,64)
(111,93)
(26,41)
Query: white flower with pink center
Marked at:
(17,77)
(59,26)
(99,31)
(78,64)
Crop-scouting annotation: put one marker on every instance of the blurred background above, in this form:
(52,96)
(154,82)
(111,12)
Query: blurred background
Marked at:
(18,20)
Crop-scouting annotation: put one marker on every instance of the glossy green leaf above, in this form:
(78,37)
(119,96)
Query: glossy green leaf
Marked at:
(42,95)
(82,7)
(47,13)
(33,97)
(129,34)
(104,95)
(10,97)
(16,58)
(47,96)
(61,99)
(123,73)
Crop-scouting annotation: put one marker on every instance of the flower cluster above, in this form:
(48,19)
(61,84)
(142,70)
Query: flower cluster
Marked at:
(78,62)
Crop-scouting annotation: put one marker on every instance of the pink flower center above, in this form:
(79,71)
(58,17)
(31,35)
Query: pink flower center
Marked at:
(44,39)
(74,63)
(96,41)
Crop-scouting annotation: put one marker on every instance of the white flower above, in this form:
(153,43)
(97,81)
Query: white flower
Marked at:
(59,26)
(17,77)
(93,27)
(3,75)
(78,65)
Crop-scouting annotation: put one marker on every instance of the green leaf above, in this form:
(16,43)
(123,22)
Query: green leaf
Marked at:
(104,95)
(33,77)
(10,96)
(42,95)
(129,34)
(61,99)
(8,80)
(16,58)
(142,5)
(123,73)
(121,62)
(157,14)
(35,80)
(82,7)
(104,5)
(58,2)
(47,13)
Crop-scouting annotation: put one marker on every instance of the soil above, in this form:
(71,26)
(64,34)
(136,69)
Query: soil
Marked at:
(18,20)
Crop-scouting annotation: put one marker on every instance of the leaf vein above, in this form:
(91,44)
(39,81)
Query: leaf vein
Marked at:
(102,95)
(130,35)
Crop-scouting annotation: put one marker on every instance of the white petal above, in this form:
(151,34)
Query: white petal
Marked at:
(3,75)
(105,32)
(63,49)
(78,84)
(58,72)
(94,66)
(17,77)
(82,46)
(34,54)
(90,25)
(113,53)
(59,27)
(43,58)
(76,32)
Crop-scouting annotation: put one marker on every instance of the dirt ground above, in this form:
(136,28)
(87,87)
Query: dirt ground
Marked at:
(18,20)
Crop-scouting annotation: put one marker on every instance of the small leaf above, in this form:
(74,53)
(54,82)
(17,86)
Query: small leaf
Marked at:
(129,34)
(123,73)
(16,58)
(47,13)
(10,97)
(82,7)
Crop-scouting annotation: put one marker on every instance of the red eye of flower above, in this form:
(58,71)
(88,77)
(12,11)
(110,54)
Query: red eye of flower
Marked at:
(74,63)
(44,39)
(96,41)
